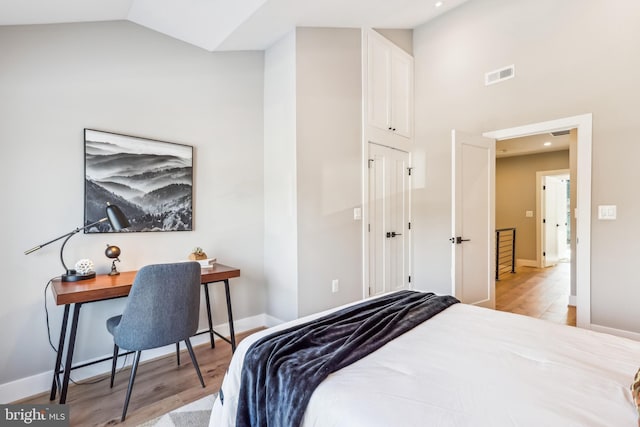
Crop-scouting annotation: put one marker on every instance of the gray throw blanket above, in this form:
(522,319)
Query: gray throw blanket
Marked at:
(281,370)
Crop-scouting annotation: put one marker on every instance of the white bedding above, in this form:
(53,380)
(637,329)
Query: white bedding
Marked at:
(471,366)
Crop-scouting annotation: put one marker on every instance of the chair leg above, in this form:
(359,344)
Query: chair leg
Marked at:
(193,359)
(132,378)
(178,352)
(113,364)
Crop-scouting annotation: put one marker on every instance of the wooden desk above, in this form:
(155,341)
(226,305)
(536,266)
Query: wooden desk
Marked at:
(104,287)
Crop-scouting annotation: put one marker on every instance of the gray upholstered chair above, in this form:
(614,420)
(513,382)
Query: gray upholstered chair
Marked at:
(162,308)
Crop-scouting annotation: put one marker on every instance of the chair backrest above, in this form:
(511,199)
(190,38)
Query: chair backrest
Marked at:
(162,308)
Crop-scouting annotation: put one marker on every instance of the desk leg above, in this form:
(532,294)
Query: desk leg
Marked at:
(56,370)
(230,315)
(72,343)
(206,297)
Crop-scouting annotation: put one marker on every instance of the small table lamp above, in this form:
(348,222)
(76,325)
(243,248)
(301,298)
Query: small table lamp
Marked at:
(113,252)
(117,220)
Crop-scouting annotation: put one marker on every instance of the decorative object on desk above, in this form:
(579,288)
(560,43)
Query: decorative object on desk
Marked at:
(207,262)
(113,252)
(151,180)
(85,267)
(197,254)
(117,220)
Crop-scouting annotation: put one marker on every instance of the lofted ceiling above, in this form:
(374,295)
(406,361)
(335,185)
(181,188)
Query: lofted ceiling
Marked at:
(217,25)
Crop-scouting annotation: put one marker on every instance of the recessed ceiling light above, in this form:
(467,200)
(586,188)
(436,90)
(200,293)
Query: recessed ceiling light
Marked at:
(546,144)
(438,4)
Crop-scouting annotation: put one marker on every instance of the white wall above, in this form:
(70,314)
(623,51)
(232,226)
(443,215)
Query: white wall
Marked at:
(571,57)
(516,193)
(329,156)
(280,179)
(313,158)
(56,80)
(403,38)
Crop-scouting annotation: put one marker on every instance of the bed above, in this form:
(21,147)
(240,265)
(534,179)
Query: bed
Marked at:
(469,366)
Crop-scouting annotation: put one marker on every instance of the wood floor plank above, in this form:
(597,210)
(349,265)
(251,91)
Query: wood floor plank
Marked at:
(537,292)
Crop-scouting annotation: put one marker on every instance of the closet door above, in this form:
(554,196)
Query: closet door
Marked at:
(379,83)
(389,87)
(401,99)
(389,217)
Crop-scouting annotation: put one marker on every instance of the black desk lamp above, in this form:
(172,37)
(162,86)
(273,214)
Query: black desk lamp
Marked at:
(117,220)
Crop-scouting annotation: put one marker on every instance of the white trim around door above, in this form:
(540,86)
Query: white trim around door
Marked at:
(583,123)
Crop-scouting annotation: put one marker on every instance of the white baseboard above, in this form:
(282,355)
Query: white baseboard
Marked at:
(613,331)
(526,263)
(40,383)
(272,321)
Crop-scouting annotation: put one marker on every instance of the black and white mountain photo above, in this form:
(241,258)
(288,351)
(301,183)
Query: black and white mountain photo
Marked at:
(150,181)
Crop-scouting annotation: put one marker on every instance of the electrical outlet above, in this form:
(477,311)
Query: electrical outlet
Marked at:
(335,285)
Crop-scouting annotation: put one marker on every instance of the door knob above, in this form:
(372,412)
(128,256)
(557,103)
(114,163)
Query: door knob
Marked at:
(394,234)
(459,240)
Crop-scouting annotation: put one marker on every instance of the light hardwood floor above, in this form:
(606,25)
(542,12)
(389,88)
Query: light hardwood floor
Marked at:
(537,292)
(162,386)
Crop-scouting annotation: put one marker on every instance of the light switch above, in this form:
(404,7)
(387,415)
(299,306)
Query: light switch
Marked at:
(357,214)
(607,212)
(528,214)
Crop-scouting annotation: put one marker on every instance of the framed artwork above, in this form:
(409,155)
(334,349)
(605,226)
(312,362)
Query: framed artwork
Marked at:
(150,181)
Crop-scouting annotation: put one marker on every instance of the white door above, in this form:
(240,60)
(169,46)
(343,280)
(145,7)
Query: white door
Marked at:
(554,222)
(562,207)
(401,97)
(389,86)
(379,83)
(388,230)
(473,219)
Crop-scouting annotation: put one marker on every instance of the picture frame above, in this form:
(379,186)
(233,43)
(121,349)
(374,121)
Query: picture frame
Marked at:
(151,181)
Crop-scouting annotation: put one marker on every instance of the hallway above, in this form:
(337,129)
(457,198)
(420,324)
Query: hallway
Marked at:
(537,292)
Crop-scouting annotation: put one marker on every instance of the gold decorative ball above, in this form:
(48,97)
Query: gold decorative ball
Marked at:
(112,251)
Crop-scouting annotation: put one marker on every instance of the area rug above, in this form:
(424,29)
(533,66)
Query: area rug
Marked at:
(195,414)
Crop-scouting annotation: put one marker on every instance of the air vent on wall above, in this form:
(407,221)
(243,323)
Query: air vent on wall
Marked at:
(497,76)
(561,132)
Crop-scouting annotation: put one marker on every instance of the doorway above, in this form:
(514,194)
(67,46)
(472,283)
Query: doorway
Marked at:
(582,187)
(553,231)
(533,200)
